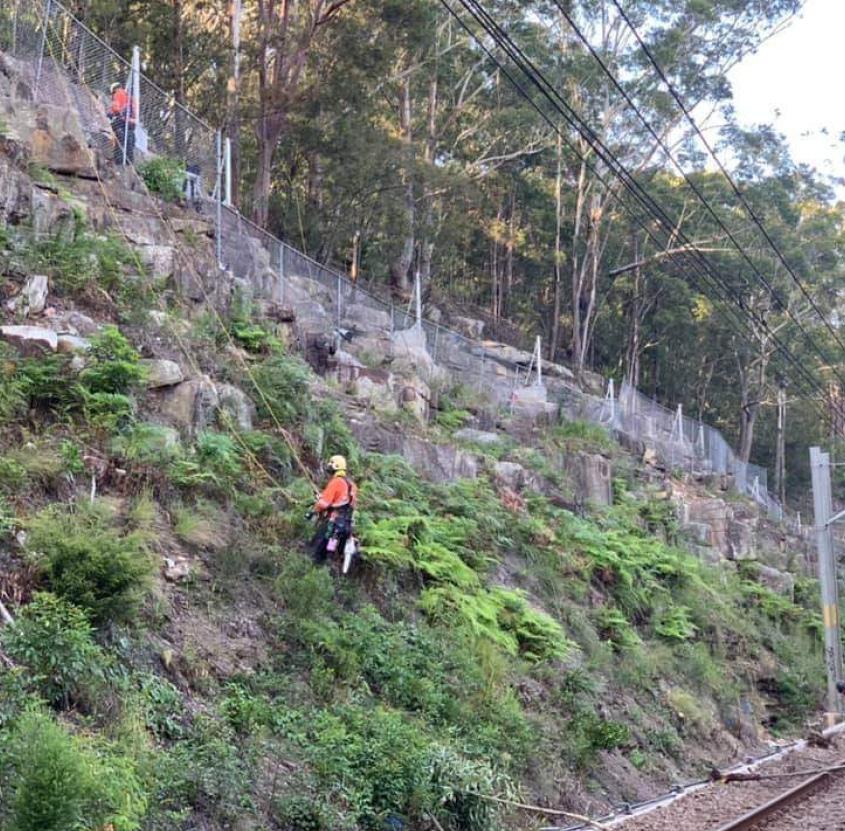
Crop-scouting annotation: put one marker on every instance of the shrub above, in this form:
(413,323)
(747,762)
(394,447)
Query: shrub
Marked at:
(112,365)
(283,381)
(54,640)
(300,813)
(60,782)
(88,563)
(79,259)
(164,176)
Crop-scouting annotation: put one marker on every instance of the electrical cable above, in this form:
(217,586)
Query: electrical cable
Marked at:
(698,193)
(731,181)
(503,40)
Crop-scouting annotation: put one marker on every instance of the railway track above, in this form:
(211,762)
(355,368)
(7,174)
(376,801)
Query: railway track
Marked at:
(801,791)
(765,815)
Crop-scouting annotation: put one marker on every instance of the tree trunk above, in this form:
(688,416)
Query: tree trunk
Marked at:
(233,103)
(402,265)
(428,230)
(263,179)
(632,361)
(558,278)
(780,450)
(179,78)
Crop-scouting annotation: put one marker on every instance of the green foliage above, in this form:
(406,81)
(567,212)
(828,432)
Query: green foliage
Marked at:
(164,176)
(112,365)
(146,444)
(301,813)
(80,259)
(61,782)
(87,562)
(283,381)
(452,420)
(582,435)
(54,640)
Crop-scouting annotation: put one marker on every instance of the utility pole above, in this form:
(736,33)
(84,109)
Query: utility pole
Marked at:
(823,506)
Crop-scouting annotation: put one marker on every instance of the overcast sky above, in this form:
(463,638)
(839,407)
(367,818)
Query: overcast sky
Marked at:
(797,83)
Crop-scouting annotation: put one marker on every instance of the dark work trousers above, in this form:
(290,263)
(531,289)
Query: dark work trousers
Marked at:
(319,550)
(121,132)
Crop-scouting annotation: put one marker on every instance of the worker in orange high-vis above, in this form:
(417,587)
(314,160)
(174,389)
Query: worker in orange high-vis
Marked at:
(334,509)
(123,115)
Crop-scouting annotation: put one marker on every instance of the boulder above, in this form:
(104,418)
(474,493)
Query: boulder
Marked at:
(592,475)
(235,406)
(474,436)
(57,143)
(176,569)
(377,391)
(778,581)
(348,367)
(161,373)
(741,540)
(711,514)
(159,260)
(30,340)
(469,327)
(77,323)
(72,344)
(32,298)
(415,397)
(363,318)
(412,357)
(192,405)
(435,462)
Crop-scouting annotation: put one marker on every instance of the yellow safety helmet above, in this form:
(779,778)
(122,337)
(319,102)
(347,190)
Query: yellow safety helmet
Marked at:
(337,464)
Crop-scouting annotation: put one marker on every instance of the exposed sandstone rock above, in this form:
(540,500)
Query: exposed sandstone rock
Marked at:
(161,373)
(30,340)
(32,298)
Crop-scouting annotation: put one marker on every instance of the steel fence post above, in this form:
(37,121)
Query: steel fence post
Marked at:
(47,10)
(15,28)
(282,270)
(339,301)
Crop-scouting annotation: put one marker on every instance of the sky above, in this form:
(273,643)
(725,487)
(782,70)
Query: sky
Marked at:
(796,81)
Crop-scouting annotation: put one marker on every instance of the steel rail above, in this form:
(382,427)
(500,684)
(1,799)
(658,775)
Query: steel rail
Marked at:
(784,800)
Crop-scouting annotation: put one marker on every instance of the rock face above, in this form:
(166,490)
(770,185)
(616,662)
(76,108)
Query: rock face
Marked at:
(161,373)
(32,298)
(236,407)
(30,340)
(436,462)
(192,405)
(778,581)
(196,404)
(593,478)
(469,326)
(72,344)
(470,434)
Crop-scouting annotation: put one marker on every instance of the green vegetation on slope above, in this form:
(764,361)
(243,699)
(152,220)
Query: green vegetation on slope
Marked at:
(479,651)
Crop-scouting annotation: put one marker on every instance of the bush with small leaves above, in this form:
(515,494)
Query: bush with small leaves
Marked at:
(55,642)
(89,563)
(164,176)
(61,782)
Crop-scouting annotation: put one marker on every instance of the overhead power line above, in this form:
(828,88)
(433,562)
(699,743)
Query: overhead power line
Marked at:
(731,181)
(503,40)
(784,306)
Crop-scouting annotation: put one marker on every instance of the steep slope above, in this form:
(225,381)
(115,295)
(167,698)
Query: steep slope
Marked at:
(539,616)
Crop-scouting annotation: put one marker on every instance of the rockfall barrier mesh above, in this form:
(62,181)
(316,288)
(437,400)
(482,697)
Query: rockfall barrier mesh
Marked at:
(64,61)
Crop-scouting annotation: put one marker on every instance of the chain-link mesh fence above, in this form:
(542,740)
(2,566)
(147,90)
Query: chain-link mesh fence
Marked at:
(66,62)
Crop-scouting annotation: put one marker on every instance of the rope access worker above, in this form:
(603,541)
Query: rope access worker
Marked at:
(123,115)
(334,509)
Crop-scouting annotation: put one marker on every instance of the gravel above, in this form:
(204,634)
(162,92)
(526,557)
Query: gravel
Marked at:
(714,805)
(823,811)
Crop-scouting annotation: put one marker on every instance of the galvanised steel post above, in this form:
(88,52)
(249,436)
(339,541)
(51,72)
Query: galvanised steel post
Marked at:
(47,10)
(823,507)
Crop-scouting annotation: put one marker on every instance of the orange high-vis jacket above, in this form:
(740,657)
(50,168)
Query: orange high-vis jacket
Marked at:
(337,494)
(121,106)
